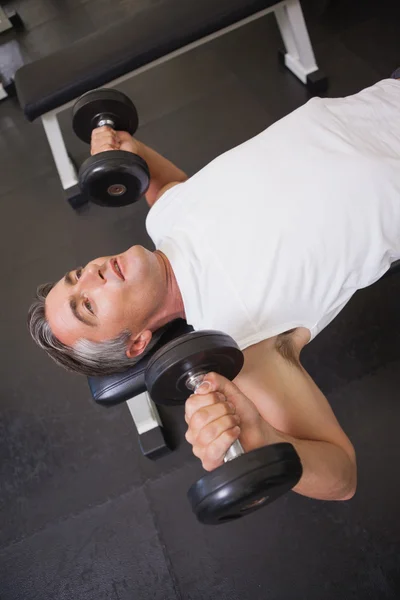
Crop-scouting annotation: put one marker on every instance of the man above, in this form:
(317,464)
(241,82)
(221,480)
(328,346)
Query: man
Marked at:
(266,243)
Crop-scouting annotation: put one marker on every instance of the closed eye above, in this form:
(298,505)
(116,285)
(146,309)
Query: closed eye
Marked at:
(87,304)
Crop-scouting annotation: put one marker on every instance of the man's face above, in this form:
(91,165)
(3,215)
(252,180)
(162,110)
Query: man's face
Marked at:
(111,294)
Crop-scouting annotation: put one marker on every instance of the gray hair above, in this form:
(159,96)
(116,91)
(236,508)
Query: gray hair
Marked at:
(85,357)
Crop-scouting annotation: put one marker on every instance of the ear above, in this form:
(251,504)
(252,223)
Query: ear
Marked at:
(138,344)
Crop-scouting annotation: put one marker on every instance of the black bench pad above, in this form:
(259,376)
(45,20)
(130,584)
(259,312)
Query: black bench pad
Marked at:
(113,389)
(156,30)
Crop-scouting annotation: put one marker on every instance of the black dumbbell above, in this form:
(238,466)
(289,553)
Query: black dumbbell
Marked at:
(247,481)
(115,177)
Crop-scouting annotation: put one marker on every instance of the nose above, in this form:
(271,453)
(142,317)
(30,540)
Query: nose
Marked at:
(92,276)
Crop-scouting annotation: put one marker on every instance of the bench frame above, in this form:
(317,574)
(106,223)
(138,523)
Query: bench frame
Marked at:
(149,426)
(298,58)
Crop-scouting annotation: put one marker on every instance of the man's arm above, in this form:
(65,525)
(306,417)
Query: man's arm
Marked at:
(290,401)
(163,173)
(274,400)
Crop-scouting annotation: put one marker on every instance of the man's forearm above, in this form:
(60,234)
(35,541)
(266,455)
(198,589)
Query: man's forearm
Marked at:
(162,171)
(329,473)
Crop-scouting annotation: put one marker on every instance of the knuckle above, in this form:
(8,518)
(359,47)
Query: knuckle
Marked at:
(213,455)
(197,452)
(208,465)
(101,145)
(99,131)
(226,408)
(190,404)
(208,434)
(217,449)
(231,421)
(199,419)
(229,436)
(214,398)
(216,428)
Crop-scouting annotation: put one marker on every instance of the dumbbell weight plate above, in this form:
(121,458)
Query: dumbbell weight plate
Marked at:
(107,103)
(114,178)
(198,352)
(245,484)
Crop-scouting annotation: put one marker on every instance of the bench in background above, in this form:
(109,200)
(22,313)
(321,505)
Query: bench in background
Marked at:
(156,34)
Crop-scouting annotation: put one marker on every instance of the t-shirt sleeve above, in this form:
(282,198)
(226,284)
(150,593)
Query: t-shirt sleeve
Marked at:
(164,214)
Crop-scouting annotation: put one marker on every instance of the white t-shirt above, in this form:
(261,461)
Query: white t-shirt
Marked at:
(280,231)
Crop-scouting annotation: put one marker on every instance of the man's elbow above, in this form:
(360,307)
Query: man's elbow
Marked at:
(349,492)
(350,479)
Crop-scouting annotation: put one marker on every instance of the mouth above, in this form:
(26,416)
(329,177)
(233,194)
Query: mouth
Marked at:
(116,267)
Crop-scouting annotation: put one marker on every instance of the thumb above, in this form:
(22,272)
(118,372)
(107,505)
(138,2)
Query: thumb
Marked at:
(124,136)
(231,392)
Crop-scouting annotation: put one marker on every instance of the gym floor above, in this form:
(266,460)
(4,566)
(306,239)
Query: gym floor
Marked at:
(83,515)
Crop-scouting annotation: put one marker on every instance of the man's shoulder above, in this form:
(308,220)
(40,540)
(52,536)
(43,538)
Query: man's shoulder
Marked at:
(167,187)
(272,372)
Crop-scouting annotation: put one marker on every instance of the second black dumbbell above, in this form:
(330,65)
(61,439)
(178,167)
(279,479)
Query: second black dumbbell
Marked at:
(247,481)
(115,177)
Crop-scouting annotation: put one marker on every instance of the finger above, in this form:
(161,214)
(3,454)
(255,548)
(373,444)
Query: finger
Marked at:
(207,415)
(221,384)
(189,437)
(206,387)
(108,136)
(104,136)
(104,147)
(229,390)
(124,136)
(103,130)
(195,403)
(214,454)
(198,452)
(212,431)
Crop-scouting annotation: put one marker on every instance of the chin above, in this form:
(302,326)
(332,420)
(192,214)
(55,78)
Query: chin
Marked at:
(137,264)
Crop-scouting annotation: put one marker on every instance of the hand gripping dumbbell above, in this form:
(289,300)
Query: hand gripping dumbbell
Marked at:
(115,177)
(247,481)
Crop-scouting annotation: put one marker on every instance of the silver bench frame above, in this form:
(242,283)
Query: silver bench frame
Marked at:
(299,58)
(5,25)
(144,413)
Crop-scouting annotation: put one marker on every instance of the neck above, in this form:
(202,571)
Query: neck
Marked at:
(172,306)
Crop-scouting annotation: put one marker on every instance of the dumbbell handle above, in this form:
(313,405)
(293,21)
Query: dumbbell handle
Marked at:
(105,121)
(193,382)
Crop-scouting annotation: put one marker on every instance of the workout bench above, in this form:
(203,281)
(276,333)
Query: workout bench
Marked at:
(154,35)
(130,387)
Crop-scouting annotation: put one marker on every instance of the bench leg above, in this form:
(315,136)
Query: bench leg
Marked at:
(65,167)
(5,22)
(148,425)
(299,55)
